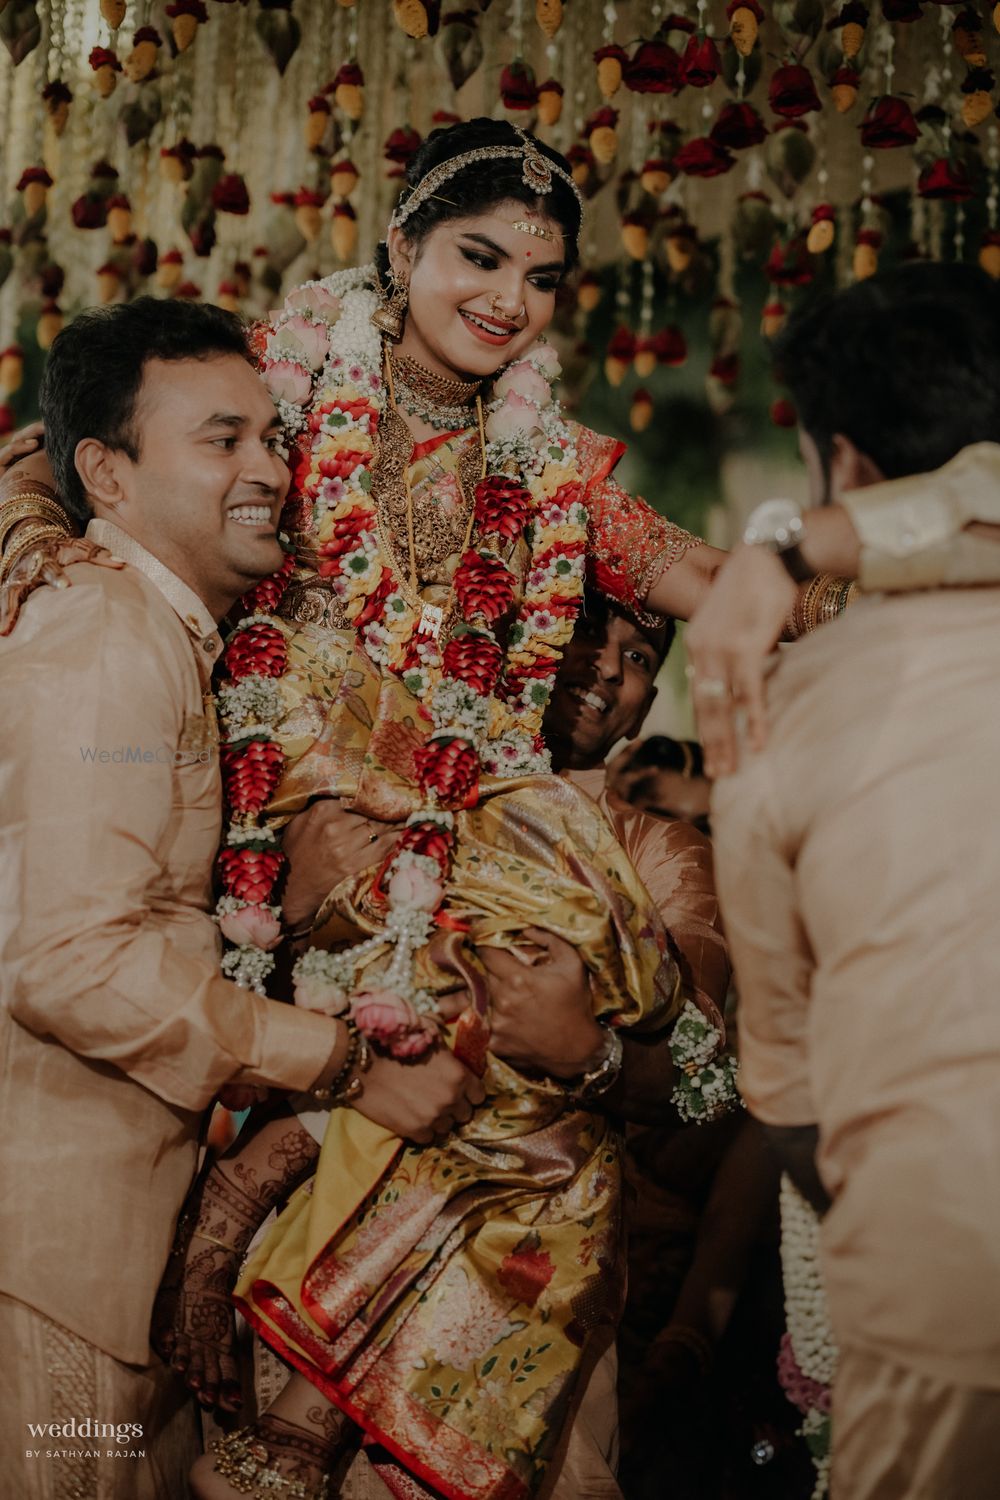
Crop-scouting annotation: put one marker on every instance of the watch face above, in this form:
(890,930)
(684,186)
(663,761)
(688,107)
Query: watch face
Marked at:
(775,523)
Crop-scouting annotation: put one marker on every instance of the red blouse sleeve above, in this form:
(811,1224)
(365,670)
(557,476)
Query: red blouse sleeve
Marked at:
(631,544)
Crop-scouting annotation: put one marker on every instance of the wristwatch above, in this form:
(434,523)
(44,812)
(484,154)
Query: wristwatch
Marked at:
(597,1082)
(778,526)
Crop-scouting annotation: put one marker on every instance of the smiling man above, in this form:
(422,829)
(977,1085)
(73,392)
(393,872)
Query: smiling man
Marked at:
(116,1027)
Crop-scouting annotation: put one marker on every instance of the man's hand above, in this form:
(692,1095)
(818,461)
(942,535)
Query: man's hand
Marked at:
(541,1011)
(419,1100)
(325,844)
(728,643)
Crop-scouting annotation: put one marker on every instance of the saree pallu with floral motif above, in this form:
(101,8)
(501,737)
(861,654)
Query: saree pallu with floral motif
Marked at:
(444,1296)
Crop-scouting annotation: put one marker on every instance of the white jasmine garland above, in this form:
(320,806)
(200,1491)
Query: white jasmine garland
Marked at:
(706,1076)
(806,1313)
(248,966)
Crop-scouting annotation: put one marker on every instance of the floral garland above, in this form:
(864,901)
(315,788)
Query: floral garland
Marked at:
(706,1075)
(322,362)
(807,1362)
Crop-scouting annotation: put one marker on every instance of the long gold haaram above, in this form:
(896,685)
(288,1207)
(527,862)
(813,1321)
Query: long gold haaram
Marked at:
(432,616)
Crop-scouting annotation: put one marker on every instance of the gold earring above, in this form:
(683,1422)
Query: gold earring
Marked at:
(391,310)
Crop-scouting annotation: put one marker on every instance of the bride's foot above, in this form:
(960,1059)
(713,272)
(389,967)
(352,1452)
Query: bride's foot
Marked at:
(273,1460)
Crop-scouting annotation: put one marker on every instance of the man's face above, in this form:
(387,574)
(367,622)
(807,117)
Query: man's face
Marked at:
(206,492)
(604,688)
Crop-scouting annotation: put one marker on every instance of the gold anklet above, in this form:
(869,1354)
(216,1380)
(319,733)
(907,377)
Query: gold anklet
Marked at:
(247,1463)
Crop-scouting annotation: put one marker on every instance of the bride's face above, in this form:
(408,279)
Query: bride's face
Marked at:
(481,289)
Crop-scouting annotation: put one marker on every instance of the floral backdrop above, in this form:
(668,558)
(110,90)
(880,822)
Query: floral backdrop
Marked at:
(735,157)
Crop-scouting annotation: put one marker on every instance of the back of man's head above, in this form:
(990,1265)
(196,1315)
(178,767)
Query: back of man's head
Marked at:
(906,365)
(94,374)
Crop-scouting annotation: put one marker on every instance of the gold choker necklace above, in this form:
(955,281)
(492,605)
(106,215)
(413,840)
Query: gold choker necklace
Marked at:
(441,403)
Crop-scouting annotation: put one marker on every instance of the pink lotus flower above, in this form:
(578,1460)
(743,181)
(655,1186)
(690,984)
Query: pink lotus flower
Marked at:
(414,888)
(544,358)
(288,381)
(310,341)
(315,299)
(314,993)
(515,416)
(522,379)
(384,1015)
(256,925)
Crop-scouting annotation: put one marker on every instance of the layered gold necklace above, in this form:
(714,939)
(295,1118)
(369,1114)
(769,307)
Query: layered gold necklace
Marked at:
(444,404)
(391,471)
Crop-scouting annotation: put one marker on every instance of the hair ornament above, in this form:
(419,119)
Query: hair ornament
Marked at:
(537,172)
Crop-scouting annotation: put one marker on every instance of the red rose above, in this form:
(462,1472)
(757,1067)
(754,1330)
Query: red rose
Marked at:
(483,586)
(889,122)
(735,5)
(449,769)
(792,92)
(103,57)
(701,64)
(783,413)
(654,68)
(945,179)
(251,774)
(475,659)
(738,126)
(401,145)
(621,344)
(790,264)
(90,212)
(525,1274)
(725,368)
(669,346)
(518,89)
(256,649)
(502,506)
(703,157)
(230,196)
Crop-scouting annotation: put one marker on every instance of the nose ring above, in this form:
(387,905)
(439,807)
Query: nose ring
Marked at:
(495,304)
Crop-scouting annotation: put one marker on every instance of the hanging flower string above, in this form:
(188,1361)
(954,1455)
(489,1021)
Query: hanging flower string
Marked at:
(322,362)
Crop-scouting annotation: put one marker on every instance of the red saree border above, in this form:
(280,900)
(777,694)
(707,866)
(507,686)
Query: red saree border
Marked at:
(506,1487)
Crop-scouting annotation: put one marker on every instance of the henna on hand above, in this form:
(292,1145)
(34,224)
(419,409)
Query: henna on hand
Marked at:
(194,1321)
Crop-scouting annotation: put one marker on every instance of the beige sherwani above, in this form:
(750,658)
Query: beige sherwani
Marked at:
(859,874)
(116,1028)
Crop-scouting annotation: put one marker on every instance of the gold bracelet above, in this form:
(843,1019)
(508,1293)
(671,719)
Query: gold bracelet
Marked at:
(348,1082)
(30,505)
(29,541)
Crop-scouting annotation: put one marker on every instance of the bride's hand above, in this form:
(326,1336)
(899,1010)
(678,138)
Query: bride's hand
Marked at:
(48,564)
(194,1323)
(323,845)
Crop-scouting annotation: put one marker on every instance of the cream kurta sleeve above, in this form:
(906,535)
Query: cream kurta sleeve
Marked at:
(768,946)
(108,861)
(912,530)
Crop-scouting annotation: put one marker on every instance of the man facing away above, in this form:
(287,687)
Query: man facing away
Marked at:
(116,1027)
(860,881)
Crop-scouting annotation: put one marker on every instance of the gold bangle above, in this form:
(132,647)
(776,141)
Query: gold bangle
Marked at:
(30,541)
(30,505)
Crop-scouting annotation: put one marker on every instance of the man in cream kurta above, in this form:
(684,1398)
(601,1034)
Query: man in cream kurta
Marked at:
(116,1026)
(860,882)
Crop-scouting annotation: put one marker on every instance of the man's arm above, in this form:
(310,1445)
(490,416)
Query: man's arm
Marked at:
(90,961)
(938,530)
(773,964)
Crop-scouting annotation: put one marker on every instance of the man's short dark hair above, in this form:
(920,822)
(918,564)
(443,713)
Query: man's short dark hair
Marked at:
(94,374)
(906,364)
